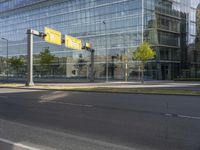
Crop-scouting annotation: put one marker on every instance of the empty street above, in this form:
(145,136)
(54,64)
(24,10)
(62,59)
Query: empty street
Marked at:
(83,120)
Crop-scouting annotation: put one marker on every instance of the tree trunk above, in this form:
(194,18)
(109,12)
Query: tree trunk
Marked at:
(17,71)
(142,71)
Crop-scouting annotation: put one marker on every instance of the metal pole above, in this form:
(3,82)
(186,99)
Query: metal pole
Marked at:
(66,67)
(139,73)
(92,66)
(7,61)
(142,73)
(142,21)
(126,62)
(106,52)
(30,58)
(126,73)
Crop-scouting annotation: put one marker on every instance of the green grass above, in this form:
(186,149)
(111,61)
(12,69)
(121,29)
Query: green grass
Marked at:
(140,91)
(123,90)
(11,85)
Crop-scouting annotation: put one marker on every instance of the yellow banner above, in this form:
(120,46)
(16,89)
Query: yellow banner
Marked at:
(88,45)
(52,36)
(73,43)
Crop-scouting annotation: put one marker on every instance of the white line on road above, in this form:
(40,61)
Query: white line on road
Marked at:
(72,104)
(18,145)
(80,139)
(182,116)
(169,115)
(189,117)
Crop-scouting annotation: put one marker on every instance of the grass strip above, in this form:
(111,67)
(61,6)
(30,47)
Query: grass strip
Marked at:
(134,90)
(124,90)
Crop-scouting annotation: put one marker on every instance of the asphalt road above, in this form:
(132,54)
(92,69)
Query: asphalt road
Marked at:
(82,120)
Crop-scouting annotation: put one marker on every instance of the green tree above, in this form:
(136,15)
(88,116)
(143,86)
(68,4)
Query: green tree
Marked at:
(46,59)
(16,63)
(143,53)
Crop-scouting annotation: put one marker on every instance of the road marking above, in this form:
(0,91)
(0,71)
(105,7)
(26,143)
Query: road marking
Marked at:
(18,144)
(169,115)
(182,116)
(72,104)
(189,117)
(86,140)
(53,96)
(4,97)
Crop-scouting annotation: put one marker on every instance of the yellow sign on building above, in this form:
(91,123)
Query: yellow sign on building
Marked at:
(73,43)
(52,36)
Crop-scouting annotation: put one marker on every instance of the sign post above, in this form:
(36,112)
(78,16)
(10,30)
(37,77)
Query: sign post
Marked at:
(92,66)
(54,37)
(76,44)
(88,47)
(51,36)
(30,58)
(30,34)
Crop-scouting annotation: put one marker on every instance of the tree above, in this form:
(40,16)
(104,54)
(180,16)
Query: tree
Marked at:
(2,65)
(143,53)
(16,63)
(46,58)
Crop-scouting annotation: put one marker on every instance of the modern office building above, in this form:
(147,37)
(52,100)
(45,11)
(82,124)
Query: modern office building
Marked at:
(115,28)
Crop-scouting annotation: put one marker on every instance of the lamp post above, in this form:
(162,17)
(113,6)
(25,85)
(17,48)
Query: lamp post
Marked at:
(6,56)
(142,21)
(126,65)
(106,52)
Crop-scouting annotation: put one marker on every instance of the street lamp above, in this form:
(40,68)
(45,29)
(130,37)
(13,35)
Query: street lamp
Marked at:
(106,52)
(6,57)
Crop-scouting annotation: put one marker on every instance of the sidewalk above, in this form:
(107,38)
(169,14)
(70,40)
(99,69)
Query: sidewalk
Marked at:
(147,84)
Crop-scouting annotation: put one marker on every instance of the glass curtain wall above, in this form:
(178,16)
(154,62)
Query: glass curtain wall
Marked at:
(170,25)
(114,26)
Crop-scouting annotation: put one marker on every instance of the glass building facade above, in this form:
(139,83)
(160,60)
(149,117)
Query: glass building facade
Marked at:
(113,26)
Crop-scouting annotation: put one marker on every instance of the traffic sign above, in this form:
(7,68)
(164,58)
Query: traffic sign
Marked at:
(52,36)
(73,43)
(88,45)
